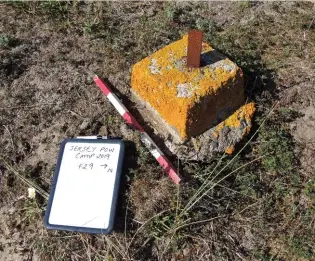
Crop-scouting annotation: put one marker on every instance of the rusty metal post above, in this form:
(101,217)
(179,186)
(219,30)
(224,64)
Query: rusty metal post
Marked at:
(194,48)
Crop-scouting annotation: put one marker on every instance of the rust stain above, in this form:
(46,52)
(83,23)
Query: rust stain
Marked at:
(194,48)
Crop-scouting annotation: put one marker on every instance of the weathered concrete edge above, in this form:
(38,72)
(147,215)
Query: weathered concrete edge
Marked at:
(151,116)
(199,148)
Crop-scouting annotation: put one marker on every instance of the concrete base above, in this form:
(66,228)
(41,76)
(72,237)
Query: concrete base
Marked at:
(189,100)
(151,116)
(220,138)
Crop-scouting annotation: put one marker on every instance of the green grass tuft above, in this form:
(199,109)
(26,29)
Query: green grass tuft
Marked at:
(277,145)
(6,40)
(301,247)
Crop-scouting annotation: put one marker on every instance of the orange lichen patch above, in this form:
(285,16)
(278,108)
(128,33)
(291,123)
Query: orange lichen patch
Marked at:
(246,113)
(188,99)
(246,130)
(229,150)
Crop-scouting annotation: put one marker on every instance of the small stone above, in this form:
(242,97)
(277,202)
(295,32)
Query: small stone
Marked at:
(85,124)
(103,131)
(89,78)
(11,211)
(31,193)
(126,132)
(6,61)
(186,251)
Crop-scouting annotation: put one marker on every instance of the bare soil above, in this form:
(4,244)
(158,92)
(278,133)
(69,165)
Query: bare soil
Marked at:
(49,53)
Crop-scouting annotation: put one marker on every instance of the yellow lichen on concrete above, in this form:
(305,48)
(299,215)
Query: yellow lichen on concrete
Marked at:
(189,100)
(245,113)
(230,150)
(243,116)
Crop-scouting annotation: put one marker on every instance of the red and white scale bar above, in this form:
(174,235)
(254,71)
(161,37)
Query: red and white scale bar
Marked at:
(145,138)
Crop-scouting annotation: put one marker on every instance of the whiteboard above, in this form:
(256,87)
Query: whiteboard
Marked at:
(86,185)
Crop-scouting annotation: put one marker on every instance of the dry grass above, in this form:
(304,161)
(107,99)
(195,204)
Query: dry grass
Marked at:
(254,205)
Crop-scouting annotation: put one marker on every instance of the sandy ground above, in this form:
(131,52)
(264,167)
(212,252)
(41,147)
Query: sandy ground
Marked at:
(47,94)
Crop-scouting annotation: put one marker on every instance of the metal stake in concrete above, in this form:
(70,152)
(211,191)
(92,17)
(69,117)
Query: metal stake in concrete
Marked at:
(194,48)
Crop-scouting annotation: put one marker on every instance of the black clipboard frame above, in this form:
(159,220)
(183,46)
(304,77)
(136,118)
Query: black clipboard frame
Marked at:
(115,193)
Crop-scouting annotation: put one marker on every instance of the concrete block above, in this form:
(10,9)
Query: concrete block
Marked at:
(186,101)
(220,138)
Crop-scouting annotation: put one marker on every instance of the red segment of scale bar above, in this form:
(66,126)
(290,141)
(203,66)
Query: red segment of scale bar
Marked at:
(145,138)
